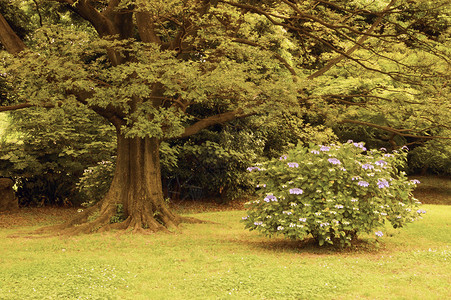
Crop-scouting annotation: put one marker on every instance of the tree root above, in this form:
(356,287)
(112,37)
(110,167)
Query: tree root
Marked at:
(87,222)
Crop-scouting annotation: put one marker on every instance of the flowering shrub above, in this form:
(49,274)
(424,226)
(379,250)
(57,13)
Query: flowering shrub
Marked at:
(332,192)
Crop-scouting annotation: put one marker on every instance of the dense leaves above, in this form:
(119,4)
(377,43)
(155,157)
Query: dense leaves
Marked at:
(332,192)
(47,151)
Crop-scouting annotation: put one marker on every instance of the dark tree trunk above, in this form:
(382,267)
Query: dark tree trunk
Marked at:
(135,199)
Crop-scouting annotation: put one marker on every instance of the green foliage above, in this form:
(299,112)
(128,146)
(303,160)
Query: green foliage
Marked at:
(48,154)
(332,192)
(119,216)
(47,189)
(427,156)
(95,181)
(433,157)
(92,217)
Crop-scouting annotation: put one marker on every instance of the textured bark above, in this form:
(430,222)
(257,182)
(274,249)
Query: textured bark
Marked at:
(135,199)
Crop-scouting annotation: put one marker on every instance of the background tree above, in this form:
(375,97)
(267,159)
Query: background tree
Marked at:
(48,150)
(148,64)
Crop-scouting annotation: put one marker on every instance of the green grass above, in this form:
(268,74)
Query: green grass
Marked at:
(223,261)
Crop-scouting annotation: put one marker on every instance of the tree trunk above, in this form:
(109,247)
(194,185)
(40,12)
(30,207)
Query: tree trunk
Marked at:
(9,39)
(135,199)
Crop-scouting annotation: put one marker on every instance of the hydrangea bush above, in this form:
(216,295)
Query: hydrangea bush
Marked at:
(332,192)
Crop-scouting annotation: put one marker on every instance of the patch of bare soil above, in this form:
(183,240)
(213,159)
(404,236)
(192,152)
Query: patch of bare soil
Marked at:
(44,216)
(36,216)
(433,190)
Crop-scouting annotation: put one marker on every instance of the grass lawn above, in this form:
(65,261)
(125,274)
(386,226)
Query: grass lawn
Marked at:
(222,261)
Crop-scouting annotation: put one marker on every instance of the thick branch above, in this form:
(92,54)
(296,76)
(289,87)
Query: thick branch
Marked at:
(400,132)
(146,28)
(9,39)
(15,107)
(213,120)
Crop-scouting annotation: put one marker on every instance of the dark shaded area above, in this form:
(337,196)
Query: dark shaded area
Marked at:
(434,189)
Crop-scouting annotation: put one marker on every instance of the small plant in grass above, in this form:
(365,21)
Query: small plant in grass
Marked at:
(92,217)
(332,192)
(119,215)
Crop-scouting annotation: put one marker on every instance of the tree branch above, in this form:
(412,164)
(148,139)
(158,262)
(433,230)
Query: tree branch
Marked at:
(15,107)
(358,44)
(400,132)
(213,120)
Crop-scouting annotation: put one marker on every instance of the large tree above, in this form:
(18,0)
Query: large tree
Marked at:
(146,65)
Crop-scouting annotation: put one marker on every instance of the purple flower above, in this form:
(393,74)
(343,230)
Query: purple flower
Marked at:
(379,233)
(324,148)
(250,169)
(421,211)
(314,151)
(363,183)
(293,165)
(261,185)
(258,223)
(334,161)
(381,163)
(339,206)
(367,166)
(415,181)
(270,198)
(382,183)
(359,145)
(303,219)
(283,157)
(296,191)
(355,178)
(280,228)
(350,141)
(388,155)
(383,149)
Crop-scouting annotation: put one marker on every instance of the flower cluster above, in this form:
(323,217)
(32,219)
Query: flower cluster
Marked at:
(332,193)
(293,165)
(382,183)
(250,169)
(334,161)
(296,191)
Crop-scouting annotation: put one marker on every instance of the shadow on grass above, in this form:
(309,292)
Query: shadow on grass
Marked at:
(310,246)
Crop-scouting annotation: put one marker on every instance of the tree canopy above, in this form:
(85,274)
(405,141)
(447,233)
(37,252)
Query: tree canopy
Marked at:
(147,67)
